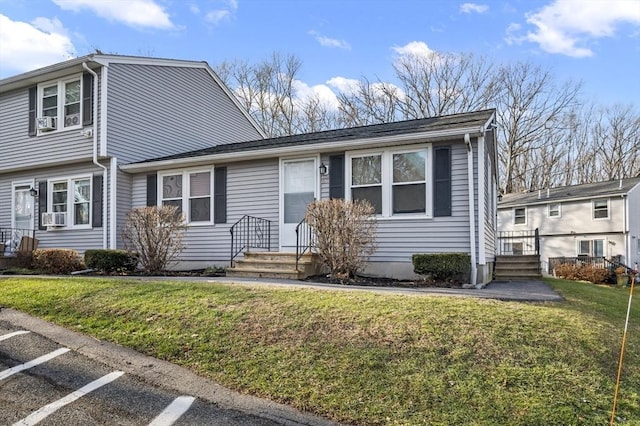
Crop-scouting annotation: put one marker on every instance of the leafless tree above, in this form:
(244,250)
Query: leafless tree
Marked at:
(616,139)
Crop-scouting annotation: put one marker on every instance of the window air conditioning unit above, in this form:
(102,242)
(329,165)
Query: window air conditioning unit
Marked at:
(54,219)
(71,120)
(46,123)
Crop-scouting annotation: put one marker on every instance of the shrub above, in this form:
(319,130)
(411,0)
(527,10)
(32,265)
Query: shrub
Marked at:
(582,272)
(155,234)
(110,260)
(443,266)
(56,261)
(344,234)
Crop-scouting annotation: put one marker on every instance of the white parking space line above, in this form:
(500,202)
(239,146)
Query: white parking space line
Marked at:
(173,411)
(44,358)
(39,415)
(15,333)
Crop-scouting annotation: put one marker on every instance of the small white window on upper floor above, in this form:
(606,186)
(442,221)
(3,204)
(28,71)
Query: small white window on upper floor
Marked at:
(59,105)
(520,215)
(554,210)
(601,209)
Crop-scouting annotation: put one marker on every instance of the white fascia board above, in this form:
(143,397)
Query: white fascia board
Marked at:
(261,153)
(544,201)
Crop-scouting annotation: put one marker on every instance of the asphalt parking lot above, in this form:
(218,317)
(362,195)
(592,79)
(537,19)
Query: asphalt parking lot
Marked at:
(45,382)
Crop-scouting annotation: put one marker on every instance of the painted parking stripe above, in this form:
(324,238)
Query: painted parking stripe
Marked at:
(44,358)
(15,333)
(39,415)
(173,411)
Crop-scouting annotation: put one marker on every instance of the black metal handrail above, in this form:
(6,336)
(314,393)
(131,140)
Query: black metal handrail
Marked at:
(305,239)
(14,240)
(598,261)
(249,232)
(520,242)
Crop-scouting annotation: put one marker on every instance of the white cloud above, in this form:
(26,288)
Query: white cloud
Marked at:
(193,8)
(134,13)
(27,46)
(323,93)
(330,42)
(473,7)
(414,48)
(215,16)
(567,26)
(345,85)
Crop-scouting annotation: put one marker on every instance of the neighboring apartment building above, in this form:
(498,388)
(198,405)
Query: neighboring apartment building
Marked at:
(590,220)
(99,135)
(66,130)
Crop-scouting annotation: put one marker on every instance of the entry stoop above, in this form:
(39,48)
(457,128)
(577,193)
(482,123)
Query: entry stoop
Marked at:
(517,268)
(275,265)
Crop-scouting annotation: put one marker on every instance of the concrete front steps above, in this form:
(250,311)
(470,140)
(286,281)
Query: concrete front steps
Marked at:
(275,265)
(517,268)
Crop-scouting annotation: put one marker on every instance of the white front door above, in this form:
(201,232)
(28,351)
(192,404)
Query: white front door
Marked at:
(299,187)
(22,217)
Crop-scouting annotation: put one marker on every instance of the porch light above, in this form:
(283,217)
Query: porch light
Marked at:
(33,192)
(499,197)
(323,169)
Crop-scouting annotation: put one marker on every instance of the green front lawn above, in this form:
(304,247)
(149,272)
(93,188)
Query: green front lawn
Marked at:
(367,358)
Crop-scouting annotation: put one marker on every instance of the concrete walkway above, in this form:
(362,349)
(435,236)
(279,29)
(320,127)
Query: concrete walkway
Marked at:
(523,291)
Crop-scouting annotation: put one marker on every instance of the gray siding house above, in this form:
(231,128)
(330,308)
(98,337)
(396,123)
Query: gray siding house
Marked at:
(86,140)
(66,130)
(432,182)
(595,220)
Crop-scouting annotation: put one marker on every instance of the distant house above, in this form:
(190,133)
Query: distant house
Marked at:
(168,132)
(591,220)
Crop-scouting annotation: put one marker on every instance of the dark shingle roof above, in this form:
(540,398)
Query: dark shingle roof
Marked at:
(587,190)
(475,119)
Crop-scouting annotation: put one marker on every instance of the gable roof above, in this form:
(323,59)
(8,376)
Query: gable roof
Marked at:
(573,192)
(445,127)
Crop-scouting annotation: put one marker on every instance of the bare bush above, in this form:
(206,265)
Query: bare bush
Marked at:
(582,272)
(345,234)
(155,234)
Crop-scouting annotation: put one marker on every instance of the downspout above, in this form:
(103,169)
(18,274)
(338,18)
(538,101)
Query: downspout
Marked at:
(95,154)
(472,212)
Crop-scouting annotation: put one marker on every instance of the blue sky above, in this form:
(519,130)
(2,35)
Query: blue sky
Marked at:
(596,41)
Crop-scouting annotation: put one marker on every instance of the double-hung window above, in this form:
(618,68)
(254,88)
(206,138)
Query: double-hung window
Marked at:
(61,102)
(189,192)
(520,216)
(71,196)
(393,181)
(554,210)
(600,209)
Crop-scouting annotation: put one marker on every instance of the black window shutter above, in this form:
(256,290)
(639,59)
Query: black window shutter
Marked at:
(220,195)
(96,197)
(87,99)
(442,181)
(42,203)
(33,93)
(152,190)
(336,176)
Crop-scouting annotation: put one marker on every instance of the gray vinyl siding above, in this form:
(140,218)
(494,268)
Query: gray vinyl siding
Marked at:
(252,189)
(489,212)
(155,111)
(76,239)
(18,148)
(123,203)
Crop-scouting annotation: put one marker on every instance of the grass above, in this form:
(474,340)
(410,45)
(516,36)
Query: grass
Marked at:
(365,358)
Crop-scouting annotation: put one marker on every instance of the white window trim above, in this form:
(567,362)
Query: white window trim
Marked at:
(14,185)
(525,216)
(387,179)
(60,108)
(591,242)
(593,209)
(549,210)
(70,201)
(186,190)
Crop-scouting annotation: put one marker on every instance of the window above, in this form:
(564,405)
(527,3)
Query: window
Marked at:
(394,182)
(62,101)
(73,197)
(554,210)
(591,248)
(190,192)
(601,209)
(520,215)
